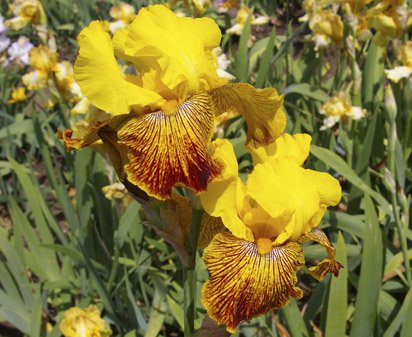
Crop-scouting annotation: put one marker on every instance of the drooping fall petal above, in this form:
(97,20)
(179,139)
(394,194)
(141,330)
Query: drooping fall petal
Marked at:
(100,77)
(329,265)
(261,108)
(244,283)
(169,149)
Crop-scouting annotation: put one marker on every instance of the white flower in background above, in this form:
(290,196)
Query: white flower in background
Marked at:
(4,43)
(404,71)
(337,108)
(4,40)
(3,28)
(222,64)
(241,18)
(123,13)
(19,50)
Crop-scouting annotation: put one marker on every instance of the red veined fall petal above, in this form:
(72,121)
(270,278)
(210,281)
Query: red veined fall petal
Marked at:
(261,108)
(244,283)
(168,149)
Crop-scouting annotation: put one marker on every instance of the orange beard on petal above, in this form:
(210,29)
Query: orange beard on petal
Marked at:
(168,149)
(243,283)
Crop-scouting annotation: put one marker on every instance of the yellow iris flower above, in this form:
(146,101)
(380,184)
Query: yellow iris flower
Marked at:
(326,25)
(43,60)
(253,265)
(389,18)
(17,95)
(337,108)
(84,323)
(123,14)
(162,113)
(26,11)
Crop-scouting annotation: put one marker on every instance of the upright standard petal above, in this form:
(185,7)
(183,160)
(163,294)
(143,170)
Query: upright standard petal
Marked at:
(298,191)
(169,149)
(296,146)
(261,108)
(244,283)
(100,77)
(180,48)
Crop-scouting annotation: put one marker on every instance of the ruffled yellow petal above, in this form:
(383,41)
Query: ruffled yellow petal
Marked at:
(244,283)
(327,187)
(180,48)
(296,146)
(223,192)
(299,195)
(261,108)
(169,149)
(100,77)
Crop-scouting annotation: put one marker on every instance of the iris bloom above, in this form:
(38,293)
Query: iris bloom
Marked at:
(404,71)
(17,95)
(26,11)
(326,25)
(162,112)
(337,108)
(241,18)
(389,18)
(123,13)
(253,264)
(43,61)
(84,323)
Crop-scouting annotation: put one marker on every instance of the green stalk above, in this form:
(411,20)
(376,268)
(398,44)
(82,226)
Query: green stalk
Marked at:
(406,91)
(401,230)
(189,273)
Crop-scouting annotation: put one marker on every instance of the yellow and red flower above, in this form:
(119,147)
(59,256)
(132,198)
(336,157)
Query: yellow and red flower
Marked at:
(253,264)
(162,112)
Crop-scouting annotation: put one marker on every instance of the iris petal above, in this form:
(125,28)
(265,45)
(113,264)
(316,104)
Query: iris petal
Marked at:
(169,149)
(261,108)
(100,77)
(180,48)
(225,191)
(296,146)
(329,265)
(244,283)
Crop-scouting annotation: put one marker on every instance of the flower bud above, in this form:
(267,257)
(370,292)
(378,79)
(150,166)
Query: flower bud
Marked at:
(390,103)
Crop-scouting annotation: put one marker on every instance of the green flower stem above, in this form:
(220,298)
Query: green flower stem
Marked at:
(406,137)
(189,273)
(401,228)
